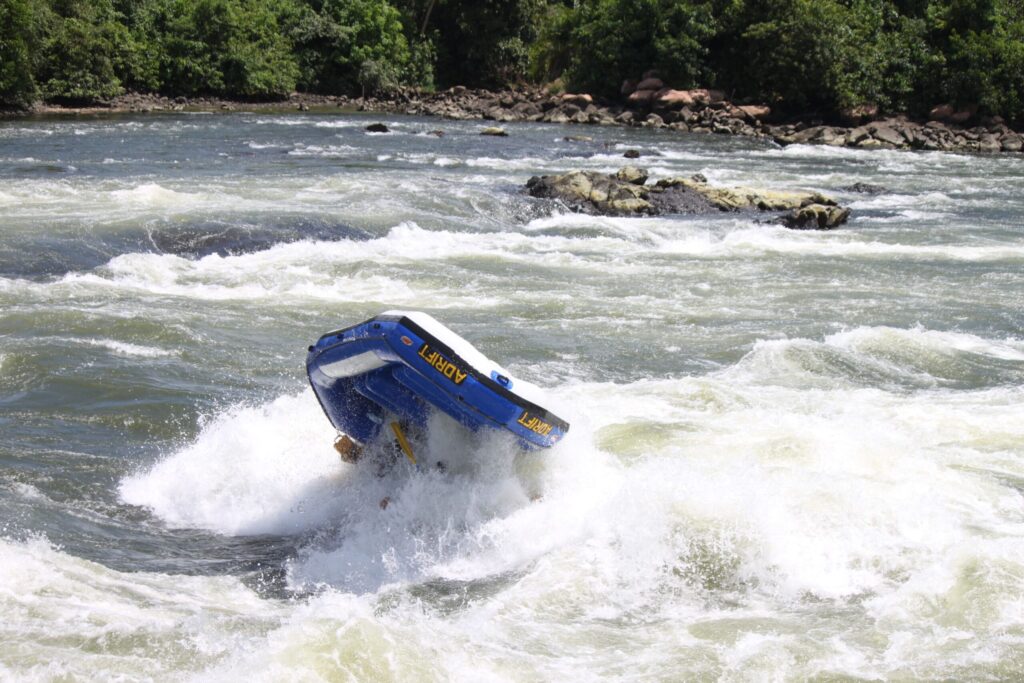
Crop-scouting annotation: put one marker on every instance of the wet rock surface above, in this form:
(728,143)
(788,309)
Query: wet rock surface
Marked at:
(627,193)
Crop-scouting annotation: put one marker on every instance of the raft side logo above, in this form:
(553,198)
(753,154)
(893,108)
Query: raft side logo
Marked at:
(442,364)
(534,424)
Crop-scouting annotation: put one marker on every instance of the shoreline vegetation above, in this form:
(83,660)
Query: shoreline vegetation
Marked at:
(921,74)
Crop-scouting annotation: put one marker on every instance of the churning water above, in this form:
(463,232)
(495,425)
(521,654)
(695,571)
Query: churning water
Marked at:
(793,454)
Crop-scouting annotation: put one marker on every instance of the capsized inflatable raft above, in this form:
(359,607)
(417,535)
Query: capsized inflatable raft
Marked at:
(403,364)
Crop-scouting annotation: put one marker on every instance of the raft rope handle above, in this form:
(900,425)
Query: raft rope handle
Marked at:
(402,442)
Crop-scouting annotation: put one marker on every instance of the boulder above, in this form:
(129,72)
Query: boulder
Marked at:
(1011,142)
(555,116)
(494,131)
(377,128)
(964,115)
(941,112)
(700,95)
(816,217)
(990,143)
(592,192)
(673,99)
(642,96)
(807,134)
(626,193)
(654,121)
(632,174)
(580,100)
(651,83)
(578,138)
(888,135)
(628,87)
(870,143)
(744,198)
(632,154)
(526,109)
(755,112)
(854,116)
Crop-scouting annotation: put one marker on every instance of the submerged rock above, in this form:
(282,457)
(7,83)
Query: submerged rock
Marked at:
(816,217)
(377,128)
(864,188)
(494,131)
(627,193)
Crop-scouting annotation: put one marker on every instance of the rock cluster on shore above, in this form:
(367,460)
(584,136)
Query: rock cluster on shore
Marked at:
(648,103)
(651,104)
(626,193)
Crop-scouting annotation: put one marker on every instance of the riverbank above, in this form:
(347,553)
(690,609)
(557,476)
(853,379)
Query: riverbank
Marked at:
(698,111)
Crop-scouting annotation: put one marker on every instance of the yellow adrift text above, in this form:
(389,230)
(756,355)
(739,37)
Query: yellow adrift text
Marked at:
(442,364)
(535,424)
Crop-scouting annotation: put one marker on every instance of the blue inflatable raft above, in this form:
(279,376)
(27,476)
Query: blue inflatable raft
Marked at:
(403,364)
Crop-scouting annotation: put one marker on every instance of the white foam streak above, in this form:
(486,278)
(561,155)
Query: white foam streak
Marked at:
(128,349)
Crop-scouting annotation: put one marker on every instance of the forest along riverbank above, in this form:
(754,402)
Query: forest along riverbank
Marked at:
(647,104)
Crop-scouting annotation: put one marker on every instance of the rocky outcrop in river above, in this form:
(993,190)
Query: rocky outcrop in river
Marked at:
(626,193)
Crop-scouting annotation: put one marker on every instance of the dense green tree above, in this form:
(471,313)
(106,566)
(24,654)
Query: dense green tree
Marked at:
(352,45)
(619,39)
(81,41)
(221,47)
(483,42)
(17,86)
(982,47)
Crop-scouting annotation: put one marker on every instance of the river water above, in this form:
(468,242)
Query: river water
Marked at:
(793,454)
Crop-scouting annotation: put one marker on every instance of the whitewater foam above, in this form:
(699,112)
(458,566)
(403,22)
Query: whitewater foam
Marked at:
(259,470)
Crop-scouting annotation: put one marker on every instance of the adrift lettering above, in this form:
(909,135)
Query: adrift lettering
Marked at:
(535,424)
(442,364)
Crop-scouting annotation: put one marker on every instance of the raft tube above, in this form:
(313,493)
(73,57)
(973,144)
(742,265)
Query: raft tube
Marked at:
(405,364)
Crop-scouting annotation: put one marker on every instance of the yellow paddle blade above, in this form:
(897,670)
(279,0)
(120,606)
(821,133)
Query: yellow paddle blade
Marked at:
(403,442)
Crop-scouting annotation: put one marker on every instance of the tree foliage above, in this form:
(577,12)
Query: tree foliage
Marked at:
(17,84)
(799,55)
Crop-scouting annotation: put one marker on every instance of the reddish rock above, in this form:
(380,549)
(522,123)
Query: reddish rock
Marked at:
(700,95)
(673,99)
(964,115)
(857,115)
(942,112)
(650,84)
(580,100)
(642,96)
(756,112)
